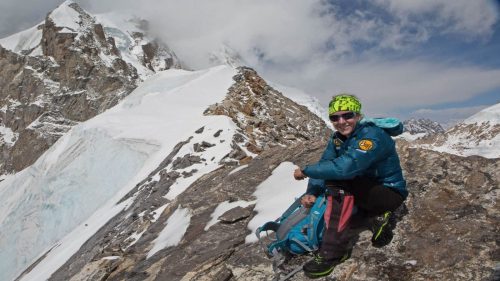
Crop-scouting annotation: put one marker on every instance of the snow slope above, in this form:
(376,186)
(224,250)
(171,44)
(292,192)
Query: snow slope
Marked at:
(24,40)
(489,115)
(96,163)
(280,184)
(477,135)
(304,99)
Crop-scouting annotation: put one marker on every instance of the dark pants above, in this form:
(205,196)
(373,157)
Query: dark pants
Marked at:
(370,198)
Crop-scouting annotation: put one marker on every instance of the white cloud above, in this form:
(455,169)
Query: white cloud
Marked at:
(297,30)
(470,18)
(315,46)
(19,15)
(385,86)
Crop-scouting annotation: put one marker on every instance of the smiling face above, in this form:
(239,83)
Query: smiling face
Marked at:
(343,124)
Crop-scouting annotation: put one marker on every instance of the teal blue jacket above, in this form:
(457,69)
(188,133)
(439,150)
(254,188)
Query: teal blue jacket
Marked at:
(368,152)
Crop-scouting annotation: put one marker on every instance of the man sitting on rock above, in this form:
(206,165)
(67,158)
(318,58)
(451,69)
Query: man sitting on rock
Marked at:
(361,173)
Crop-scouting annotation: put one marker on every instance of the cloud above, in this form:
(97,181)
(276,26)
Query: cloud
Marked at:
(296,30)
(325,47)
(389,86)
(20,15)
(471,18)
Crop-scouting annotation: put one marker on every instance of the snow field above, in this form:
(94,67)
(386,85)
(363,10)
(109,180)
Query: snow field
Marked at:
(8,136)
(174,230)
(80,178)
(274,196)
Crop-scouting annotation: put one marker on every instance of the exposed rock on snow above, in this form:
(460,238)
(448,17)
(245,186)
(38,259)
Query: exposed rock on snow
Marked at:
(448,232)
(266,116)
(419,126)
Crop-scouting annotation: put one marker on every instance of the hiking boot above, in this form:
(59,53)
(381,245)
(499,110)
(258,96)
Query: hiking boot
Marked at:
(320,267)
(382,229)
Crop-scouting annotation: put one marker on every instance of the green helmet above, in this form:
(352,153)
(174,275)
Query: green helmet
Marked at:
(344,102)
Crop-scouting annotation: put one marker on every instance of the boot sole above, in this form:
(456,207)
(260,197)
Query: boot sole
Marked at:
(319,274)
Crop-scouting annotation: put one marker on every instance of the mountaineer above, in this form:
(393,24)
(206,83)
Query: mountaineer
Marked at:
(362,176)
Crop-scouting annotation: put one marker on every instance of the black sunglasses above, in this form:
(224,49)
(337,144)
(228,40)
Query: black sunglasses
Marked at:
(345,116)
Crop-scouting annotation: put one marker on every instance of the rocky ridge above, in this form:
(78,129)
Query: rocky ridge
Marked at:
(74,71)
(448,230)
(129,236)
(267,117)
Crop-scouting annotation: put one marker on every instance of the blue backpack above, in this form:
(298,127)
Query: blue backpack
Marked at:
(298,231)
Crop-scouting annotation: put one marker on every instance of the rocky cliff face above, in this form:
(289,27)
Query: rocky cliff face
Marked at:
(448,230)
(74,71)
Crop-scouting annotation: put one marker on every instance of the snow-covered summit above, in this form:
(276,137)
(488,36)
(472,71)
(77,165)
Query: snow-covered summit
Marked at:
(226,55)
(477,135)
(489,115)
(128,34)
(70,17)
(67,17)
(415,129)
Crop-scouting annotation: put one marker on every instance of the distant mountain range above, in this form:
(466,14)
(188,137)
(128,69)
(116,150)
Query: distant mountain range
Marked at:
(422,126)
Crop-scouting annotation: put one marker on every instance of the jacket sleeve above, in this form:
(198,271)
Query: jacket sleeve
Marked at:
(354,162)
(315,187)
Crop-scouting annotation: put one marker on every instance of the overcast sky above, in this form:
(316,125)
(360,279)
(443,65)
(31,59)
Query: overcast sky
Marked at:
(428,58)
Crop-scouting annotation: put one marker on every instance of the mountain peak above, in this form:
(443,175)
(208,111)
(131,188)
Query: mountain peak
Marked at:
(71,16)
(226,55)
(477,135)
(490,114)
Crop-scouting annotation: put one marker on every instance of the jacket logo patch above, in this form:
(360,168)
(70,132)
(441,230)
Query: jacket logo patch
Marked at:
(337,142)
(365,145)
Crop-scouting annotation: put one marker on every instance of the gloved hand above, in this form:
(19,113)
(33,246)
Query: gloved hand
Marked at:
(298,175)
(308,200)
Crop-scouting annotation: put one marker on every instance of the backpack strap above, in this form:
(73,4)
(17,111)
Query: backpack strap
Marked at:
(301,244)
(291,221)
(316,225)
(291,209)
